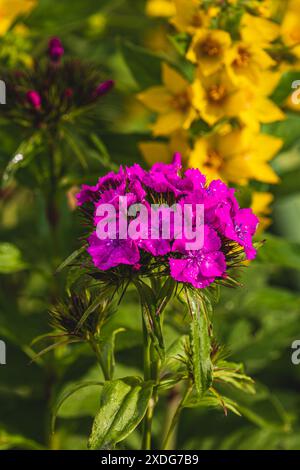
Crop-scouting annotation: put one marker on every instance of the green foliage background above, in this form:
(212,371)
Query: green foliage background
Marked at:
(257,322)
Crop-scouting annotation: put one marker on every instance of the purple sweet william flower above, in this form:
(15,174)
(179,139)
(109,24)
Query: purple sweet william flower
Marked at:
(199,267)
(228,229)
(107,254)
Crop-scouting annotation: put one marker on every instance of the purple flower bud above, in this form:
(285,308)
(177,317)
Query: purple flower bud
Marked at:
(103,88)
(34,99)
(55,49)
(68,93)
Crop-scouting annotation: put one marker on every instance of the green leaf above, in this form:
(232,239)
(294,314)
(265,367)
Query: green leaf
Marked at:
(200,343)
(67,395)
(22,157)
(284,88)
(123,405)
(16,441)
(10,259)
(280,252)
(71,258)
(145,67)
(124,147)
(213,400)
(233,374)
(107,349)
(101,153)
(91,309)
(287,130)
(165,295)
(181,42)
(78,148)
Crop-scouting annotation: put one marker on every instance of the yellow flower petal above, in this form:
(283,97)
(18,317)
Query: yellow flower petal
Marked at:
(168,123)
(156,98)
(154,152)
(266,111)
(188,17)
(267,146)
(261,207)
(261,202)
(265,174)
(162,8)
(10,9)
(259,31)
(208,49)
(173,80)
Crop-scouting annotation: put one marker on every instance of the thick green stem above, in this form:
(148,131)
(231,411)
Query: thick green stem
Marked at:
(151,361)
(176,417)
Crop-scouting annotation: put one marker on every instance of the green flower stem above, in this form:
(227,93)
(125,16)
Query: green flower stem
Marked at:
(147,431)
(151,363)
(176,416)
(96,349)
(172,403)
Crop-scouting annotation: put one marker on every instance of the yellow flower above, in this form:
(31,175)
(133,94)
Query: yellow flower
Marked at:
(188,16)
(208,50)
(259,31)
(163,8)
(246,61)
(261,207)
(290,31)
(236,157)
(268,8)
(291,104)
(217,97)
(10,9)
(213,11)
(262,109)
(154,152)
(172,101)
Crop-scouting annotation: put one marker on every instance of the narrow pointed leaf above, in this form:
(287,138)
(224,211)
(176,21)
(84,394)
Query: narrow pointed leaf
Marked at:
(200,343)
(70,259)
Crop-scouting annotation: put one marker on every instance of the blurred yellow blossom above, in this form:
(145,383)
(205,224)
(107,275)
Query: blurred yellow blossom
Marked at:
(172,102)
(247,61)
(154,151)
(235,63)
(217,97)
(262,109)
(236,157)
(208,50)
(290,30)
(269,8)
(10,9)
(160,8)
(261,202)
(259,31)
(188,17)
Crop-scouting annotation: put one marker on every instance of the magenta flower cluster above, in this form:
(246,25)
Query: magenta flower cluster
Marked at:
(227,227)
